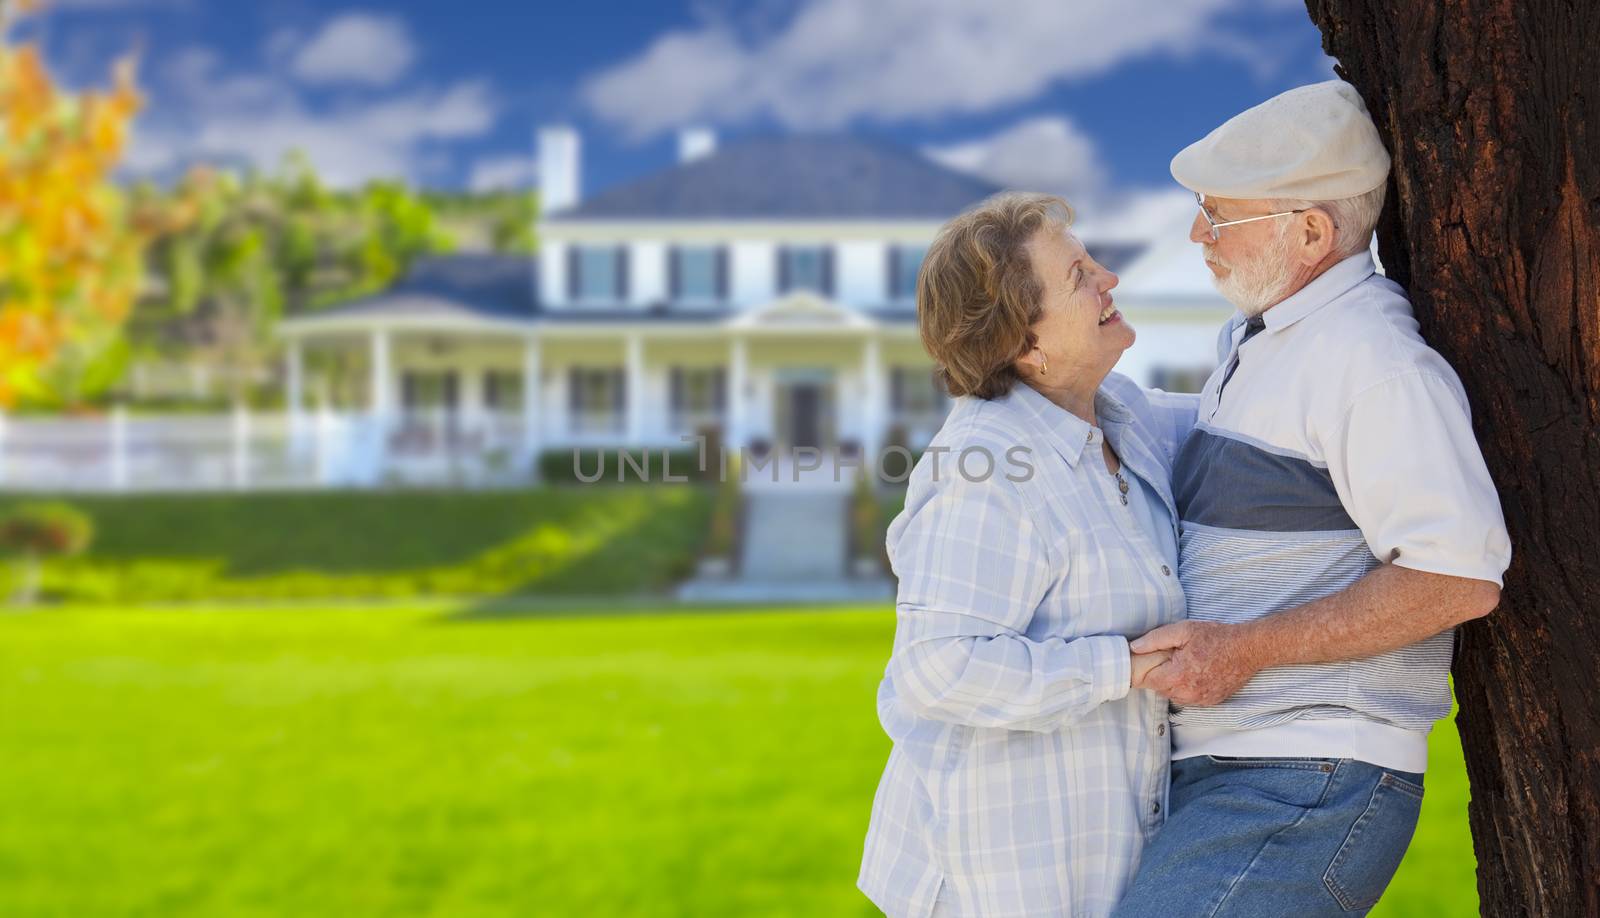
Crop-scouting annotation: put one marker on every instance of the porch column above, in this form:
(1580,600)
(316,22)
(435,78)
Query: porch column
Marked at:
(738,378)
(532,399)
(294,396)
(379,407)
(470,409)
(873,413)
(379,404)
(635,386)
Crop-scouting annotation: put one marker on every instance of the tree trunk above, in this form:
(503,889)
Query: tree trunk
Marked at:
(1493,225)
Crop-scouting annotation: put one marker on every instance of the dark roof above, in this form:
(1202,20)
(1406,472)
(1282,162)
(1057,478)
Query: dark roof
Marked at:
(479,285)
(655,312)
(792,178)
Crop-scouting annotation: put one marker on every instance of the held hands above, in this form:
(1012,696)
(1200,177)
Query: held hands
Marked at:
(1206,662)
(1143,664)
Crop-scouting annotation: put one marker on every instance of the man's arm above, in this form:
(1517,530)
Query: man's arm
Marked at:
(1388,608)
(1408,470)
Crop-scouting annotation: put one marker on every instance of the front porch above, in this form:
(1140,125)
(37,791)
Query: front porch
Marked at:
(451,401)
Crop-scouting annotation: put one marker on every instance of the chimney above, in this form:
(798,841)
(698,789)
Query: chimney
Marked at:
(695,142)
(560,168)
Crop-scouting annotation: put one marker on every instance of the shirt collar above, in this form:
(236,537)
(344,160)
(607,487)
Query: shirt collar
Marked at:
(1067,433)
(1323,289)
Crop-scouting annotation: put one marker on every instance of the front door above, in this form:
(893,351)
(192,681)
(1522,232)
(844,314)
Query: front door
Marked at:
(803,404)
(805,414)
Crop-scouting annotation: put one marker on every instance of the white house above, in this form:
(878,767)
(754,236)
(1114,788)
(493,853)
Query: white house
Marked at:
(764,289)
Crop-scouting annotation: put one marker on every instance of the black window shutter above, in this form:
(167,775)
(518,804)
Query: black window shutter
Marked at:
(622,273)
(408,391)
(619,389)
(783,269)
(719,389)
(897,395)
(827,271)
(492,395)
(892,271)
(674,278)
(574,392)
(722,273)
(677,390)
(574,278)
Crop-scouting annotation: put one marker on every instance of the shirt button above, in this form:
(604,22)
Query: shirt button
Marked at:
(1157,808)
(1161,729)
(1166,571)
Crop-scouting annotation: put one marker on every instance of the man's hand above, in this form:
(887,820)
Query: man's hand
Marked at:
(1210,661)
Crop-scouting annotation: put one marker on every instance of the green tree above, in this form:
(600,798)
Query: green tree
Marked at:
(69,247)
(241,252)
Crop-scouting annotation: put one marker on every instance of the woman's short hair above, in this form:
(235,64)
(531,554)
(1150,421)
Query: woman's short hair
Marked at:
(977,294)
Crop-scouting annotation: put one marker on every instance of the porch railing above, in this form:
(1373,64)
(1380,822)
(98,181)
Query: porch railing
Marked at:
(246,450)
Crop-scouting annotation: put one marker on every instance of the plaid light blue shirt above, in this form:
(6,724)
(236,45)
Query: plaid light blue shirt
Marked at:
(1025,776)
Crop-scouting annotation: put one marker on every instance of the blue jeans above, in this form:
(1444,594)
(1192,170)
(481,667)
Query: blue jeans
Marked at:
(1269,837)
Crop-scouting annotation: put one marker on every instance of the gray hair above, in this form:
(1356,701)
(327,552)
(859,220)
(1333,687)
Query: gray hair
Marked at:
(1354,218)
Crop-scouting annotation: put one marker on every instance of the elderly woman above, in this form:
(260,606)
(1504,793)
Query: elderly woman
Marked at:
(1028,766)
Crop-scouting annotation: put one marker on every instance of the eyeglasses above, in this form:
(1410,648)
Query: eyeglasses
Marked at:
(1200,199)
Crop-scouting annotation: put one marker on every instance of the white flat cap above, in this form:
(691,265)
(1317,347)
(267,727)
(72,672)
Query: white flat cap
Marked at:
(1314,143)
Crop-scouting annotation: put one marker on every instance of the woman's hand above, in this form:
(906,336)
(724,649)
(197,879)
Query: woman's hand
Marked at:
(1143,663)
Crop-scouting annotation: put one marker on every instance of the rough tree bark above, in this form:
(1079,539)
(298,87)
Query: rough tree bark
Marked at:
(1490,109)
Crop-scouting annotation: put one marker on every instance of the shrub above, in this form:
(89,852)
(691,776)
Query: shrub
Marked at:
(722,541)
(563,466)
(37,530)
(866,521)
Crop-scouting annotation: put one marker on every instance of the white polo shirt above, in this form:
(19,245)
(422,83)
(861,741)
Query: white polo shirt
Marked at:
(1342,441)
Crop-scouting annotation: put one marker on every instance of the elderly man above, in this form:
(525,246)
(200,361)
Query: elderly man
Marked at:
(1337,523)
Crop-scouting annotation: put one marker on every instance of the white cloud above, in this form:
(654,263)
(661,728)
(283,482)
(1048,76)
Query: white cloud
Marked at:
(349,144)
(206,111)
(359,48)
(1161,213)
(502,173)
(1038,154)
(837,61)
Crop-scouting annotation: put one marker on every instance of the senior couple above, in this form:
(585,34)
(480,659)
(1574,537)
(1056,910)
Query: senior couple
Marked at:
(1187,665)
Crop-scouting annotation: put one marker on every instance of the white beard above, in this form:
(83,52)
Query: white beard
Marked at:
(1260,282)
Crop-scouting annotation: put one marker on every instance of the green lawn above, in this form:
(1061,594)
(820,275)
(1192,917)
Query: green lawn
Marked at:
(319,545)
(456,761)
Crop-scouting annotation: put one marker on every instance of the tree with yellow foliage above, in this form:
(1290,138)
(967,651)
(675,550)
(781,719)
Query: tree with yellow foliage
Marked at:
(70,252)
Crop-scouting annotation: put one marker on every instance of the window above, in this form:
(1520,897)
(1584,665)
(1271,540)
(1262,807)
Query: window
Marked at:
(598,273)
(914,393)
(1180,379)
(699,397)
(805,268)
(502,391)
(904,263)
(595,399)
(426,391)
(699,274)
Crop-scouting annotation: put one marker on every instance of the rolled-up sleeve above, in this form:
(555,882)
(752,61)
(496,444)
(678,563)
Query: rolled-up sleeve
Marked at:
(972,569)
(1409,471)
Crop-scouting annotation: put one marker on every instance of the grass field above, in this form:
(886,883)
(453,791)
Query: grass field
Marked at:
(551,541)
(446,760)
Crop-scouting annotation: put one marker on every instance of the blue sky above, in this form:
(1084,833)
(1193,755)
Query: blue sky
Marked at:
(1090,97)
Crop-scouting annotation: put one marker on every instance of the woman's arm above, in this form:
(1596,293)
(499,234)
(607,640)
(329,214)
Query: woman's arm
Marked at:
(973,568)
(1007,680)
